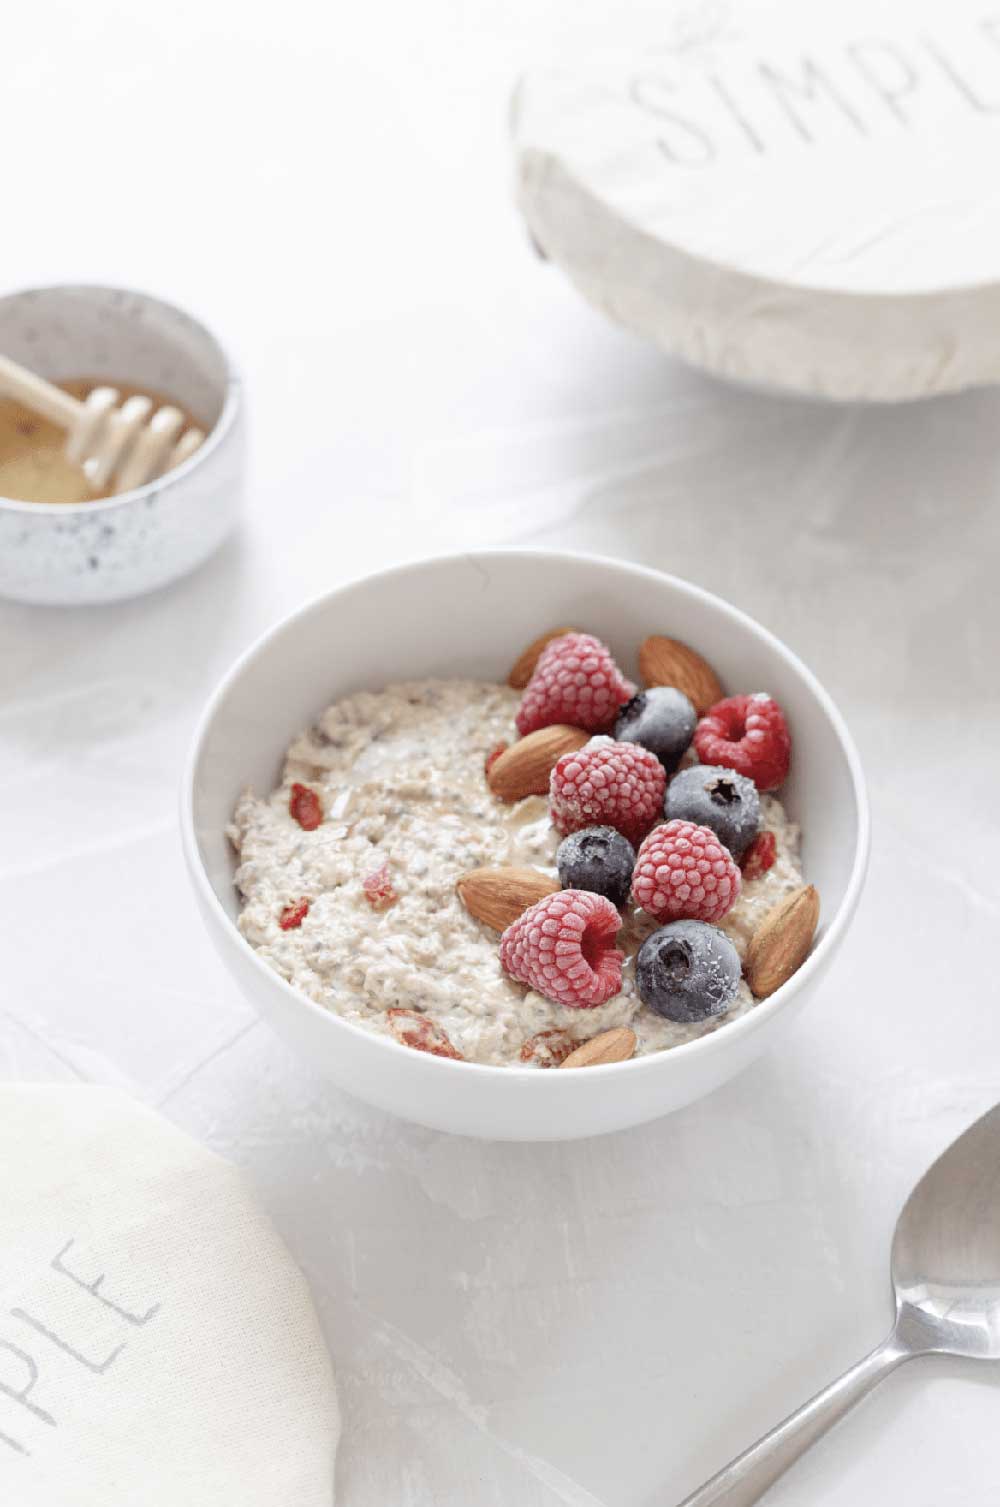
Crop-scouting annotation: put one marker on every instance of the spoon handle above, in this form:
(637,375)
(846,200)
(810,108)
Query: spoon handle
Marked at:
(745,1479)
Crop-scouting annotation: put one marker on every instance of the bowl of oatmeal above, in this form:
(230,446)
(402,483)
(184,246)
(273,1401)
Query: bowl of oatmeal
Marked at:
(385,837)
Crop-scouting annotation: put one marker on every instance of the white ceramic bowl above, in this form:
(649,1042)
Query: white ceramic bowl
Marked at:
(60,554)
(471,615)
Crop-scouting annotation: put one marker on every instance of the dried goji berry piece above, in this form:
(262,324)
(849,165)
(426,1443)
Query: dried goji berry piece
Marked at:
(378,888)
(305,806)
(759,856)
(492,757)
(548,1048)
(415,1030)
(293,915)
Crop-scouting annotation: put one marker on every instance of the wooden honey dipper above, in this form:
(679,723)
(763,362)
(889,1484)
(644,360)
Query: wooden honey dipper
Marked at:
(123,445)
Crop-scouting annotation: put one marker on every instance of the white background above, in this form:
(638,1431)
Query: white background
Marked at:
(598,1324)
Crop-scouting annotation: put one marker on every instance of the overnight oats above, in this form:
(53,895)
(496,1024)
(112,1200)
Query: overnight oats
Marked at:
(558,871)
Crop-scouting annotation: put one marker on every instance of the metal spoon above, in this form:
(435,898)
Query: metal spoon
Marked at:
(946,1272)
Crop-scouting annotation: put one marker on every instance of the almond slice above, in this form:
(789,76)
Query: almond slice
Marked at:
(499,896)
(616,1045)
(524,768)
(666,661)
(524,666)
(782,941)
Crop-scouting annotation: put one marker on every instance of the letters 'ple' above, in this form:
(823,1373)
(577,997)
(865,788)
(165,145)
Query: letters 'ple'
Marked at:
(28,1367)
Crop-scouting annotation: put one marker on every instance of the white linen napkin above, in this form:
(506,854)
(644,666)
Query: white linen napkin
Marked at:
(158,1346)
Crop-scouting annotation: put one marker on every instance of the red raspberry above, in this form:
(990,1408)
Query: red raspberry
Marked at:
(564,946)
(683,871)
(759,856)
(748,734)
(306,807)
(293,915)
(607,784)
(575,681)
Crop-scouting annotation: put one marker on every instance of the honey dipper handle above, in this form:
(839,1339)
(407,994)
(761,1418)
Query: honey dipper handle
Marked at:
(42,397)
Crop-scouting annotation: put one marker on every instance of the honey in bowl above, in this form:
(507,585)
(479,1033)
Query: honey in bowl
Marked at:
(33,463)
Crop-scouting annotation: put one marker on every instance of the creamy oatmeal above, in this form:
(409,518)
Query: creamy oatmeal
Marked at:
(400,776)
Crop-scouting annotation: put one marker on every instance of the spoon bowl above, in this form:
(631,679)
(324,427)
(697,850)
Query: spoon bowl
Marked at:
(946,1250)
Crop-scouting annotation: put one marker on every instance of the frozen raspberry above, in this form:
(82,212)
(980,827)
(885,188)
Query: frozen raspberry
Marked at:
(564,947)
(683,871)
(305,806)
(575,681)
(378,888)
(607,784)
(748,734)
(293,915)
(759,857)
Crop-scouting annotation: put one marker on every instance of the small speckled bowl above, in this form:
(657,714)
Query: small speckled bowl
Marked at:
(66,554)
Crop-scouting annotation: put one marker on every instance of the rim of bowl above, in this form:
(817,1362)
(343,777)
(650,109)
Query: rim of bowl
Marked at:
(221,427)
(747,1024)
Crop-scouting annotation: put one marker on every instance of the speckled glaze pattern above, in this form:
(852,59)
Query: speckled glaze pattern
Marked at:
(123,546)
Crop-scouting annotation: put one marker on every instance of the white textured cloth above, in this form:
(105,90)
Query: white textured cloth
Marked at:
(742,184)
(158,1346)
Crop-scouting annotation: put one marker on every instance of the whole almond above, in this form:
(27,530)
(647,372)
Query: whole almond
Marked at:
(666,661)
(524,768)
(616,1045)
(782,941)
(524,666)
(499,896)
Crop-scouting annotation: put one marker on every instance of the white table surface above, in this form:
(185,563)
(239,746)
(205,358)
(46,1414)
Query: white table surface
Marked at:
(597,1324)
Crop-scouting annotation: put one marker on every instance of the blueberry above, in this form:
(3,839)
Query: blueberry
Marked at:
(716,797)
(597,859)
(662,720)
(688,971)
